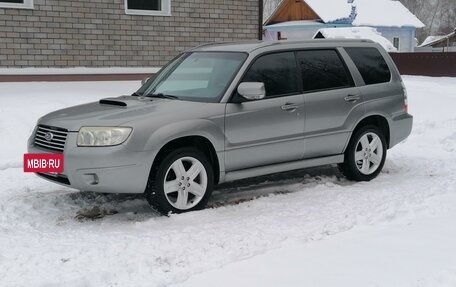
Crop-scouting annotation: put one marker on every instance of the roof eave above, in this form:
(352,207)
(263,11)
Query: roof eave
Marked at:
(266,22)
(277,9)
(445,38)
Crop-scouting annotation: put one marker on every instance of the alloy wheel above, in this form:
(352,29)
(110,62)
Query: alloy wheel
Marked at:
(368,153)
(185,183)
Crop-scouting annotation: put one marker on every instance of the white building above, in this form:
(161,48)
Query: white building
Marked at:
(301,19)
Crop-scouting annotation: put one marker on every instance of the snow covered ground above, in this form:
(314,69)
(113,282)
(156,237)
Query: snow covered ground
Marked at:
(306,228)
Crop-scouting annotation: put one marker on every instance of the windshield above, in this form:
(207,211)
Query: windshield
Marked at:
(196,76)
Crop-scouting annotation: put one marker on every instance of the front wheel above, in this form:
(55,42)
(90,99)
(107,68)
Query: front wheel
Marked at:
(183,181)
(365,154)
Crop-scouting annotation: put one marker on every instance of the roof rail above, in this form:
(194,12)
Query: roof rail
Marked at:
(208,44)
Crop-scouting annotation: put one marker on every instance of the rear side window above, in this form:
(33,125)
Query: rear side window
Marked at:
(371,65)
(323,70)
(277,71)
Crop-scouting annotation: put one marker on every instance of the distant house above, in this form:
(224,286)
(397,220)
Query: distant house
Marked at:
(446,43)
(295,19)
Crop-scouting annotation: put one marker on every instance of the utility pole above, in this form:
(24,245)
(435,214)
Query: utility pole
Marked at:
(260,19)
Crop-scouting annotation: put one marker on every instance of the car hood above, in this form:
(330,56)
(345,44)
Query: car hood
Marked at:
(115,111)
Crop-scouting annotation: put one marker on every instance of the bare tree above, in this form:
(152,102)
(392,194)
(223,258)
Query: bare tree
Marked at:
(447,22)
(435,14)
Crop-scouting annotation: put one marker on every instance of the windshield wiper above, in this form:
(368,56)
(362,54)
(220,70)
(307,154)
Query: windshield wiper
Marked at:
(162,96)
(135,94)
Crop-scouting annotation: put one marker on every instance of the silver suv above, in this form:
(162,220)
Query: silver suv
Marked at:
(223,112)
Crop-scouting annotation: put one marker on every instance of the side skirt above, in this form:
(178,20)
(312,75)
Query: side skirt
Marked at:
(281,167)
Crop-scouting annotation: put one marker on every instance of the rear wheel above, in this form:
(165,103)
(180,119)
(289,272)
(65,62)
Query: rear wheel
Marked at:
(365,154)
(182,181)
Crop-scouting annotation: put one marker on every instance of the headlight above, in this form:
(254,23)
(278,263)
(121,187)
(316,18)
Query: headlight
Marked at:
(102,136)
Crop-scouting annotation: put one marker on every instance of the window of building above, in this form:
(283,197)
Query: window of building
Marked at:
(24,4)
(396,43)
(370,64)
(323,70)
(148,7)
(277,71)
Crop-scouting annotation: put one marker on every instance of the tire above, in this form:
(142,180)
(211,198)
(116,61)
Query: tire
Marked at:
(187,189)
(370,155)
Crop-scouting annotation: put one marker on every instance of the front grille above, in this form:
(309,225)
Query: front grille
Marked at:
(55,177)
(51,138)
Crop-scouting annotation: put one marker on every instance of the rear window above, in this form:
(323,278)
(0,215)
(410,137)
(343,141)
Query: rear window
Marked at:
(371,65)
(323,70)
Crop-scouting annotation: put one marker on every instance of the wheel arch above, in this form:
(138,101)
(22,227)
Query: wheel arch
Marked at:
(196,141)
(377,120)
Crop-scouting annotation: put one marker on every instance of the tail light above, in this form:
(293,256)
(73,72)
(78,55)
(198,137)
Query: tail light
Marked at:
(405,98)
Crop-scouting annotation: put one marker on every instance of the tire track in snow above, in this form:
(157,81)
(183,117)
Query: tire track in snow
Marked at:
(317,206)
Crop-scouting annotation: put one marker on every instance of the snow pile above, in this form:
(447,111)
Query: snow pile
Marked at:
(356,33)
(397,230)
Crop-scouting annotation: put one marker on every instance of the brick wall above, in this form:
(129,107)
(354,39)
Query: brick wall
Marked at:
(98,33)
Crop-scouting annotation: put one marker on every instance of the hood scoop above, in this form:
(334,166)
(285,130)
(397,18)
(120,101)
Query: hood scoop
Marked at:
(113,102)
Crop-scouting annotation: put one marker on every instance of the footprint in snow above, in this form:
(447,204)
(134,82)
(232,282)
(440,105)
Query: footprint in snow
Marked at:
(93,213)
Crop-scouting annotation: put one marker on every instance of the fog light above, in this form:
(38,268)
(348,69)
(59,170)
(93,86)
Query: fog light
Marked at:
(90,178)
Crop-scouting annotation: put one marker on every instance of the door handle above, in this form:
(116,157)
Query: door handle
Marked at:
(352,98)
(289,107)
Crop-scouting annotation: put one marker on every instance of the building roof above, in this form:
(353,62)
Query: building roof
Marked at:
(379,13)
(356,33)
(330,10)
(385,13)
(432,40)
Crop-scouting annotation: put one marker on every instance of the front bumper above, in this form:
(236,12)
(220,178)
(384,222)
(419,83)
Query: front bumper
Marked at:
(400,128)
(113,169)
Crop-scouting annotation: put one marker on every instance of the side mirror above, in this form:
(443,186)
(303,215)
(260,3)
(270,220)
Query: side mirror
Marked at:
(252,90)
(143,81)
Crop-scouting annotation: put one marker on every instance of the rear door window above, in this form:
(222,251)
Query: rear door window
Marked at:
(371,65)
(323,70)
(278,72)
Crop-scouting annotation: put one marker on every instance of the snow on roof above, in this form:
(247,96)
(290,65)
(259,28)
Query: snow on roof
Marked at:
(330,10)
(385,13)
(357,33)
(431,39)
